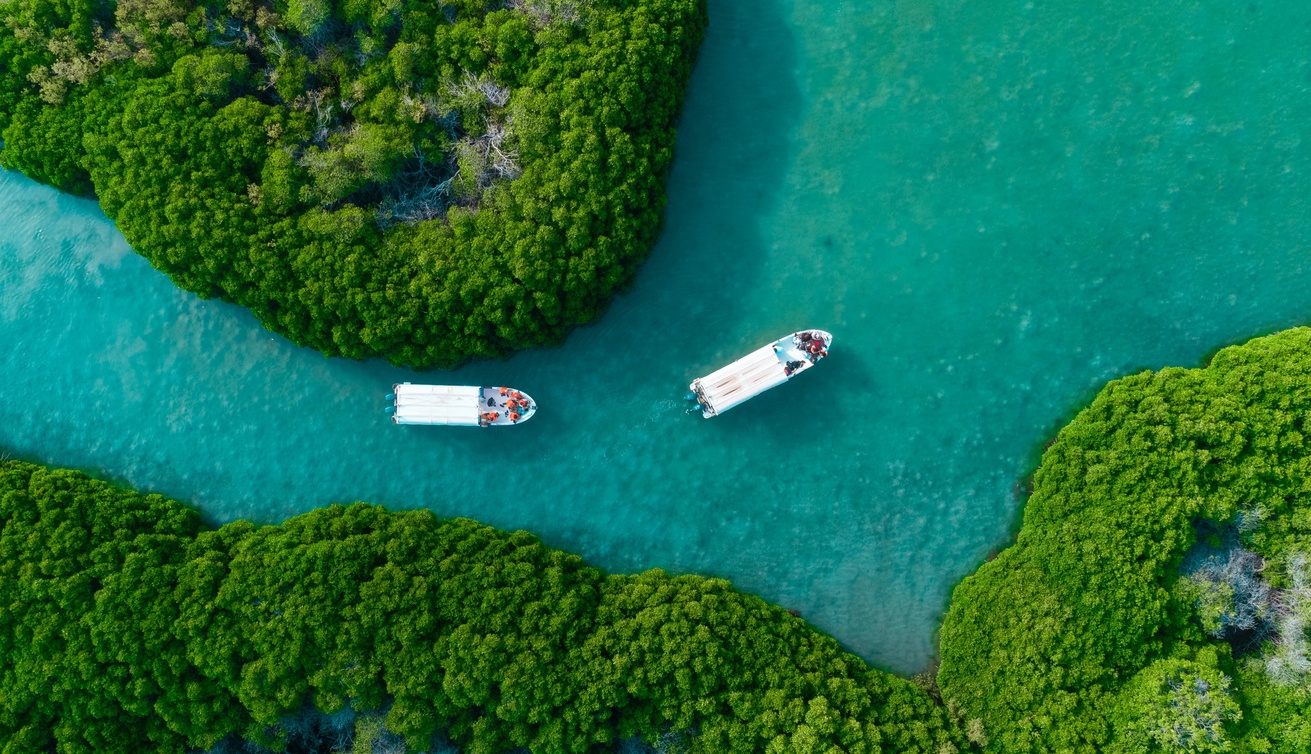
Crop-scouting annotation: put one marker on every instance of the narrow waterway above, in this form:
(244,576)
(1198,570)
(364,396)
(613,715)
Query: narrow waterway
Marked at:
(994,206)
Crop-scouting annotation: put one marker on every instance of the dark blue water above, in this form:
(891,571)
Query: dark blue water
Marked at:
(994,206)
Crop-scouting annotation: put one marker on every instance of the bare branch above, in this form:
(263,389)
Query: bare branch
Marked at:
(471,86)
(1290,662)
(543,13)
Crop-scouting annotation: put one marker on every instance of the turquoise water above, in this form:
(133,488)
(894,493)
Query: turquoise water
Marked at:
(994,206)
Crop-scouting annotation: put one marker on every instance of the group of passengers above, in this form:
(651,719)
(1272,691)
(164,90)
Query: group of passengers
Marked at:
(516,405)
(812,345)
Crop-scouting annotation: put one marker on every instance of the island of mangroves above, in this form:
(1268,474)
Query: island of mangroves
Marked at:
(431,183)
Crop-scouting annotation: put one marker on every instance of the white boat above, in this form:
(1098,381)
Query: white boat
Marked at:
(758,371)
(460,405)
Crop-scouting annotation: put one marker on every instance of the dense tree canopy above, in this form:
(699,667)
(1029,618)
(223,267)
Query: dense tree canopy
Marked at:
(422,181)
(126,626)
(1158,595)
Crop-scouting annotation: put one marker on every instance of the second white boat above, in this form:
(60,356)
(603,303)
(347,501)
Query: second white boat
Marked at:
(758,371)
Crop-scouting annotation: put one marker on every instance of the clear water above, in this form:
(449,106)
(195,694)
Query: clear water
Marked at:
(994,206)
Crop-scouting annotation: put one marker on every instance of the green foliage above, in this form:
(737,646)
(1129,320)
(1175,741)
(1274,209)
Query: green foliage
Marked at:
(36,143)
(354,158)
(1212,600)
(1047,643)
(1276,718)
(87,658)
(212,75)
(213,134)
(131,628)
(308,16)
(1175,706)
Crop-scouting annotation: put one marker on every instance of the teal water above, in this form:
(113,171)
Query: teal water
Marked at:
(994,206)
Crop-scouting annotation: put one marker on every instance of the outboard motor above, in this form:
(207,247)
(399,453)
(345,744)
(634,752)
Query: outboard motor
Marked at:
(695,400)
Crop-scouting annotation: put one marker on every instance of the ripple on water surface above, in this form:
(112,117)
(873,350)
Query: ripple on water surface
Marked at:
(995,206)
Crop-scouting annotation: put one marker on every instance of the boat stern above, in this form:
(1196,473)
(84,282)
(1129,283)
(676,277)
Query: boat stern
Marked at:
(698,400)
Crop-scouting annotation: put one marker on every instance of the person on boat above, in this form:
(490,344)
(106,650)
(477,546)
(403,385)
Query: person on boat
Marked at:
(504,390)
(515,394)
(514,417)
(512,404)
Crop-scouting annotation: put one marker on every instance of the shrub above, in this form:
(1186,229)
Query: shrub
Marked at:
(1175,705)
(135,627)
(1040,642)
(509,162)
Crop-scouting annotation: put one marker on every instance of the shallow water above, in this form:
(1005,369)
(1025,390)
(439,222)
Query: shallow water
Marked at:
(994,206)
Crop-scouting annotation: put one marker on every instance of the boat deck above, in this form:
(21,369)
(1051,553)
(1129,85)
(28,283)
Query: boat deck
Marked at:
(747,377)
(790,350)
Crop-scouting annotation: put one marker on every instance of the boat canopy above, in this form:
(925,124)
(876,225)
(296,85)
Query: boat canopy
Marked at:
(745,378)
(437,404)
